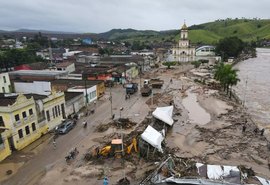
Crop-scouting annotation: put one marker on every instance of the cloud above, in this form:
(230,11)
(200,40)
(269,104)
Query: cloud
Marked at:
(103,15)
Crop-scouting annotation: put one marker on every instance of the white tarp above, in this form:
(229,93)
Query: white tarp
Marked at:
(263,181)
(153,137)
(164,114)
(214,171)
(229,169)
(217,172)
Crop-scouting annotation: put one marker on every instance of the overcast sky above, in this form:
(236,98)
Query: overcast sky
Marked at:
(103,15)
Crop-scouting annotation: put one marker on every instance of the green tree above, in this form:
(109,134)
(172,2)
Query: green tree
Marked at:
(14,57)
(230,47)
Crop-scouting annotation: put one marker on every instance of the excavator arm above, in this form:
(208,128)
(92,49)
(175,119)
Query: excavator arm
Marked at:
(133,144)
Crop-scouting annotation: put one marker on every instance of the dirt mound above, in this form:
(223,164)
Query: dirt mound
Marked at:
(123,123)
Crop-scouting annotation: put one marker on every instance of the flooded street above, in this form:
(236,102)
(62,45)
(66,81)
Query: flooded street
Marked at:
(196,113)
(254,87)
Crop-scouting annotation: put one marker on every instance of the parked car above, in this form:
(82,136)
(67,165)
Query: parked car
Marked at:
(65,127)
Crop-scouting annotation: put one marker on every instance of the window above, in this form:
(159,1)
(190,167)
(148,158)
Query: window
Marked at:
(5,80)
(2,122)
(48,115)
(59,112)
(3,90)
(27,130)
(30,111)
(17,117)
(20,132)
(24,114)
(53,111)
(56,112)
(34,127)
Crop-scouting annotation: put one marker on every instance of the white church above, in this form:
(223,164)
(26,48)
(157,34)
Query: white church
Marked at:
(183,51)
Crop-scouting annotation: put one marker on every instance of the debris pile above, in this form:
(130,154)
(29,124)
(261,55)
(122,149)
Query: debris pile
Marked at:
(121,123)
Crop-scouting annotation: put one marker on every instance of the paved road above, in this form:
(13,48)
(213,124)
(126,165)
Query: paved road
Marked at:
(47,157)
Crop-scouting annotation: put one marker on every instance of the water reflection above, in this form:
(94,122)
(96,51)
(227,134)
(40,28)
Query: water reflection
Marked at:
(196,113)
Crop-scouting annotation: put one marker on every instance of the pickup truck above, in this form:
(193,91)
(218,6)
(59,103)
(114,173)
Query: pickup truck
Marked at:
(154,82)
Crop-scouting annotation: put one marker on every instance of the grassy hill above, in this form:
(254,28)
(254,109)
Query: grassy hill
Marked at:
(207,33)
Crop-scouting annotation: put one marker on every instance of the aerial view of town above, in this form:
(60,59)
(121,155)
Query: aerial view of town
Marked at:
(125,92)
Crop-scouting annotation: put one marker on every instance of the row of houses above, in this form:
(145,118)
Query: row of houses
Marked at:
(34,102)
(38,104)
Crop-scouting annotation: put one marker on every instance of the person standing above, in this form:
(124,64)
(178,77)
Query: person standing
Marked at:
(54,144)
(244,128)
(105,181)
(262,132)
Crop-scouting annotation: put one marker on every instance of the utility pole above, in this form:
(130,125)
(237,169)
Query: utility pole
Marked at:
(140,72)
(111,102)
(85,88)
(50,50)
(152,97)
(245,93)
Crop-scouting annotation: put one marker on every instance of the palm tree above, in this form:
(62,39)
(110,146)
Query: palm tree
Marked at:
(226,75)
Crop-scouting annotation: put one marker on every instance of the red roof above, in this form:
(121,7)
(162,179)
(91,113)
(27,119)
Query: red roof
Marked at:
(22,67)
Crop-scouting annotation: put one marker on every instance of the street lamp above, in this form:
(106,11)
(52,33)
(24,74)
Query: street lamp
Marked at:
(121,109)
(112,116)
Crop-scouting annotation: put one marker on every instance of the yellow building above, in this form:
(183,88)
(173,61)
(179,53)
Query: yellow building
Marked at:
(18,117)
(50,110)
(4,147)
(55,109)
(24,118)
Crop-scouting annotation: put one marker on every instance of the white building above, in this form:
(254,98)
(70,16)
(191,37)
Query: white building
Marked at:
(65,66)
(5,86)
(207,53)
(91,92)
(183,51)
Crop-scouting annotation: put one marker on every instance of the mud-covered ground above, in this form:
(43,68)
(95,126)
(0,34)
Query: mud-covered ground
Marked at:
(207,129)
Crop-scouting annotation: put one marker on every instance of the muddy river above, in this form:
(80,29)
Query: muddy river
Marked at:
(254,87)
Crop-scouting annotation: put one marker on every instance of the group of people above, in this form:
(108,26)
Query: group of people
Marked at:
(256,130)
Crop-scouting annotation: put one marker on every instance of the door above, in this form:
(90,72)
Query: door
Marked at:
(63,111)
(11,144)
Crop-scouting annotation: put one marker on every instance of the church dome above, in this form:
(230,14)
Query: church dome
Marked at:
(184,27)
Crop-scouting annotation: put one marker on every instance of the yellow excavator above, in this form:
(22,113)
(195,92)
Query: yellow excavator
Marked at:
(115,149)
(132,145)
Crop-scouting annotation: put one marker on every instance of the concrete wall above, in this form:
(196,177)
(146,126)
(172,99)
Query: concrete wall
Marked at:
(75,105)
(91,92)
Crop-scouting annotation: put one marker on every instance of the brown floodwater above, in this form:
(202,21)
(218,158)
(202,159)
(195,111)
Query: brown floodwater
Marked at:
(196,113)
(254,87)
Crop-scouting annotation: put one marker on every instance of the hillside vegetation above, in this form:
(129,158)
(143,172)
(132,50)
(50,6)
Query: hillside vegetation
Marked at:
(207,33)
